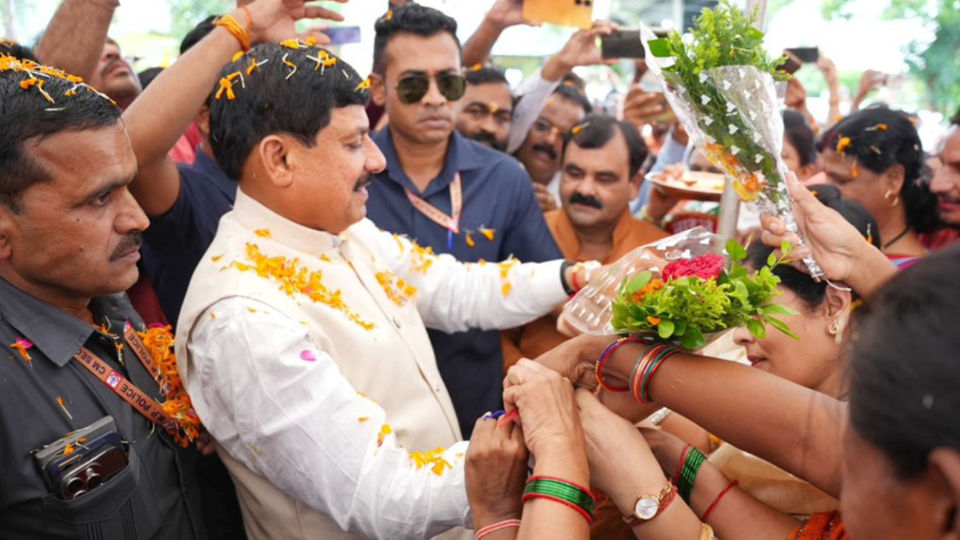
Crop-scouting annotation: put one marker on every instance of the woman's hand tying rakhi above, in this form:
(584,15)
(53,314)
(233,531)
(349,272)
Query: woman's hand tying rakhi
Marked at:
(546,406)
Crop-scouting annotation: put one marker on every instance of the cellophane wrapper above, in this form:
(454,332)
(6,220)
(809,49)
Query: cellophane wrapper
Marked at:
(589,311)
(740,99)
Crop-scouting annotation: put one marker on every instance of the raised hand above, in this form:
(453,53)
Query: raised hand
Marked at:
(275,20)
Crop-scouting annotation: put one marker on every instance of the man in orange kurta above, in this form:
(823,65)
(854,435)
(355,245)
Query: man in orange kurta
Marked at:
(601,164)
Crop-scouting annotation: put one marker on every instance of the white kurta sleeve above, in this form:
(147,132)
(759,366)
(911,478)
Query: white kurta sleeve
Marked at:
(453,296)
(280,406)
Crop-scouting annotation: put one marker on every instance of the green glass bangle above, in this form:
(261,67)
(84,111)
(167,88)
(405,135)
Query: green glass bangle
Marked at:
(688,476)
(561,490)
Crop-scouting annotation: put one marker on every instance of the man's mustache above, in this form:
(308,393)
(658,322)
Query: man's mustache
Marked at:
(362,182)
(577,198)
(547,149)
(110,65)
(488,138)
(128,243)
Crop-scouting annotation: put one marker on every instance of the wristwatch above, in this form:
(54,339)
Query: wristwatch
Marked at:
(648,507)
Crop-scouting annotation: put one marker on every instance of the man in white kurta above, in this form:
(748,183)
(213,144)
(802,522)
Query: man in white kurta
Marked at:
(302,338)
(307,358)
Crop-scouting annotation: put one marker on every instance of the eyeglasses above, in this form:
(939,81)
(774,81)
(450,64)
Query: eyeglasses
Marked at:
(412,88)
(546,128)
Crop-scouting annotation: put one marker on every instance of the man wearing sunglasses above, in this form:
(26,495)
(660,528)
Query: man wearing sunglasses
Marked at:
(446,191)
(487,107)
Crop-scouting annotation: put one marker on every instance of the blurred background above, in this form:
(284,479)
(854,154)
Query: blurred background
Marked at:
(915,44)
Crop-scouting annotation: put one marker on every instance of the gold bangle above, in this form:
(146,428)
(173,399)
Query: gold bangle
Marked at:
(231,25)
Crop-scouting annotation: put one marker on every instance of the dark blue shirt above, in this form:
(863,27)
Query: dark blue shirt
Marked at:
(175,242)
(497,194)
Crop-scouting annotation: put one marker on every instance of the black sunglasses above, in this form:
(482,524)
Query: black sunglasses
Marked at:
(412,88)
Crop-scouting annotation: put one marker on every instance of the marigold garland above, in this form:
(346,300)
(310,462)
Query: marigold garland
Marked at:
(159,342)
(293,278)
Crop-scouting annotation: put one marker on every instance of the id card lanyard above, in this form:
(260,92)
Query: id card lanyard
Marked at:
(449,222)
(138,399)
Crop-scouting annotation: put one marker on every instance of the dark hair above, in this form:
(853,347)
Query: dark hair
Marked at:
(812,293)
(412,19)
(572,79)
(881,138)
(596,130)
(273,98)
(572,94)
(148,75)
(484,75)
(956,118)
(903,393)
(16,50)
(198,32)
(800,135)
(36,111)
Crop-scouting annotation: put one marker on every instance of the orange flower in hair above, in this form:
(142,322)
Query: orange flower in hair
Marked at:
(843,144)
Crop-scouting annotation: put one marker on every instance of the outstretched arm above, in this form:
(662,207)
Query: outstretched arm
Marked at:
(162,113)
(502,15)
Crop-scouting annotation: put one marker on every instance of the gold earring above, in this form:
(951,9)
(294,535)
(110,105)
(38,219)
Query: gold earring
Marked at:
(834,327)
(896,198)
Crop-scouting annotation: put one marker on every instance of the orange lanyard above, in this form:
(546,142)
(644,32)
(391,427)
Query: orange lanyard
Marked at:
(448,222)
(137,398)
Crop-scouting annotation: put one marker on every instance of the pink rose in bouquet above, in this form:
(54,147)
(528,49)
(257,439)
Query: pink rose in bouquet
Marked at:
(708,266)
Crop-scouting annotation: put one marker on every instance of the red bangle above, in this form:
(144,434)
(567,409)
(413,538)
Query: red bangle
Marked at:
(506,524)
(720,496)
(581,511)
(602,361)
(683,459)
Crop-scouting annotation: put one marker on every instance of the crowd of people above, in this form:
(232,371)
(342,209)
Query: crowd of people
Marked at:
(262,295)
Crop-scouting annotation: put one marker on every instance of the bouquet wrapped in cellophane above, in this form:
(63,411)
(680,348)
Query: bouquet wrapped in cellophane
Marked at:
(723,87)
(685,289)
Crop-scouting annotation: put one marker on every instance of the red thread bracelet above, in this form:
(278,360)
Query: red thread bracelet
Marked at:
(246,11)
(576,282)
(720,496)
(499,526)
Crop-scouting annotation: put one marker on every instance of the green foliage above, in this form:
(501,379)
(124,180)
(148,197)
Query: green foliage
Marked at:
(937,63)
(683,310)
(723,36)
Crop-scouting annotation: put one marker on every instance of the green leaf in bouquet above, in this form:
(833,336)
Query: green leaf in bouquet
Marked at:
(693,339)
(660,48)
(681,328)
(772,259)
(785,248)
(756,328)
(665,329)
(735,250)
(781,326)
(777,309)
(638,282)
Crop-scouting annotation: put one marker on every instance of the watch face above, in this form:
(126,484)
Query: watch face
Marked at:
(646,508)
